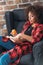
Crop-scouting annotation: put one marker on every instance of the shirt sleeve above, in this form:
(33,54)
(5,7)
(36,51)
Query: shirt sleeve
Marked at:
(38,34)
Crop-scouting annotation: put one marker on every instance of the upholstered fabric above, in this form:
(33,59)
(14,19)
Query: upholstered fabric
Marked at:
(15,19)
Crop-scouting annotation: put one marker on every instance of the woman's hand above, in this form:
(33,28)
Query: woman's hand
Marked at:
(16,38)
(7,36)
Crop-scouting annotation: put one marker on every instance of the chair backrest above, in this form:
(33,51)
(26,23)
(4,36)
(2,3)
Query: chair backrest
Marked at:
(15,19)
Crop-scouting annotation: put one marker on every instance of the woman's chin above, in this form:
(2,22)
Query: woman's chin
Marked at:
(31,22)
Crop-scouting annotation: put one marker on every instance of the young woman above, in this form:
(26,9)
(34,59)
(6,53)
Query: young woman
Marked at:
(32,32)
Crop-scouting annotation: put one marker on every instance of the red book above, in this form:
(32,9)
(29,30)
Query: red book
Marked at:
(4,39)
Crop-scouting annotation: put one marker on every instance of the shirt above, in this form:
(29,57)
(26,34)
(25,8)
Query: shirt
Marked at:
(37,32)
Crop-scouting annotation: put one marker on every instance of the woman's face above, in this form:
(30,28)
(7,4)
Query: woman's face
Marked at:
(31,17)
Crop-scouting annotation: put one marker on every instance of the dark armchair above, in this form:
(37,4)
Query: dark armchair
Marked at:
(15,20)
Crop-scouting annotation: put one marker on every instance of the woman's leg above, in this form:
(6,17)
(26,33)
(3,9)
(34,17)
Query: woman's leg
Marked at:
(12,56)
(17,52)
(5,59)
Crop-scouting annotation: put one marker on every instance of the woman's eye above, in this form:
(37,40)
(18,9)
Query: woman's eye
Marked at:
(32,16)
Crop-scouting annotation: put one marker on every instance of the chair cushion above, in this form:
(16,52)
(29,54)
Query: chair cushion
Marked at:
(20,26)
(27,59)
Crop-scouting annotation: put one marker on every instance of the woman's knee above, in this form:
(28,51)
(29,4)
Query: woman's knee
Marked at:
(5,59)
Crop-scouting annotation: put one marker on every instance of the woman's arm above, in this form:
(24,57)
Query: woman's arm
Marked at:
(15,39)
(26,37)
(36,35)
(21,37)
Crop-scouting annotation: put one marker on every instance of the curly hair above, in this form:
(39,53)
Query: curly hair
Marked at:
(37,11)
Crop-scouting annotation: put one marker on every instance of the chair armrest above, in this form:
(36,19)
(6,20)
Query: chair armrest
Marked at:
(38,53)
(38,48)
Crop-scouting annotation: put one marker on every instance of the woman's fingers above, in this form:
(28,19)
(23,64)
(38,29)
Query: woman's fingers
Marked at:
(12,39)
(7,36)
